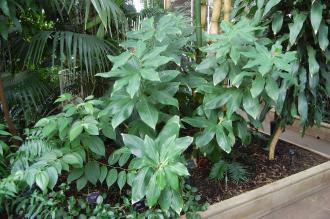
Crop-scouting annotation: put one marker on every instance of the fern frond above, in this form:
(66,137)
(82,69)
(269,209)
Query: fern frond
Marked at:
(237,172)
(219,170)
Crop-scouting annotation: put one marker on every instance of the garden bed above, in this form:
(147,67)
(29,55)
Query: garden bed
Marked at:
(264,178)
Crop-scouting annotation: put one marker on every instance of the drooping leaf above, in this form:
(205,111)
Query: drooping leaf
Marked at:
(316,15)
(94,143)
(92,172)
(121,179)
(277,22)
(257,86)
(295,27)
(148,113)
(251,105)
(111,177)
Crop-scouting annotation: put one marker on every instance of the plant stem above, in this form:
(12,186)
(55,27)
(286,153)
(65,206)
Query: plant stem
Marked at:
(226,10)
(273,143)
(198,28)
(5,110)
(214,29)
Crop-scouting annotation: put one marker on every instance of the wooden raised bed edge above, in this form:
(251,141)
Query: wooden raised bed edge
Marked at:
(322,132)
(262,201)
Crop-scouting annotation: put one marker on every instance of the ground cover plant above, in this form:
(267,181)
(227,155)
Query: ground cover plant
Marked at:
(130,152)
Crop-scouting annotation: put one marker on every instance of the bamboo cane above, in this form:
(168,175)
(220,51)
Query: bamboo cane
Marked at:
(226,9)
(167,4)
(198,28)
(214,29)
(203,14)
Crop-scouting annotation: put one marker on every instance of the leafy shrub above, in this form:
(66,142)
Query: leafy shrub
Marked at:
(301,26)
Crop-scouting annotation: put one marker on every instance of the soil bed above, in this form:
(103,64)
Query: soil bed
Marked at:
(289,159)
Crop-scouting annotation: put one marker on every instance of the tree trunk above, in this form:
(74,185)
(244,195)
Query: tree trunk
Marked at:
(198,28)
(226,10)
(203,14)
(5,110)
(167,4)
(273,143)
(214,29)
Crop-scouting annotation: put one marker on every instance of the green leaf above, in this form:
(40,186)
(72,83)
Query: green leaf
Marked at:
(179,169)
(316,15)
(165,98)
(277,22)
(134,143)
(139,185)
(75,174)
(270,5)
(234,55)
(206,64)
(177,202)
(204,138)
(123,114)
(198,122)
(75,130)
(111,177)
(153,192)
(108,131)
(113,158)
(123,159)
(148,113)
(149,74)
(220,74)
(168,75)
(121,179)
(73,159)
(272,88)
(222,139)
(92,172)
(295,28)
(49,128)
(53,177)
(91,128)
(257,86)
(165,199)
(314,66)
(172,179)
(133,85)
(4,7)
(251,105)
(103,173)
(81,183)
(94,143)
(302,108)
(42,180)
(323,36)
(120,60)
(171,128)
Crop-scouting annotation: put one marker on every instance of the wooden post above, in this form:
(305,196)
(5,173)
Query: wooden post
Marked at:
(167,4)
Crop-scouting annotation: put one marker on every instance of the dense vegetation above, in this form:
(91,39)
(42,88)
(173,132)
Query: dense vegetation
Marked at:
(154,102)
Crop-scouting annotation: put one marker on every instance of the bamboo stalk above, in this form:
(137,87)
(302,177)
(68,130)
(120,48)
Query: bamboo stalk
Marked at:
(226,9)
(198,28)
(5,110)
(214,29)
(167,4)
(203,14)
(273,143)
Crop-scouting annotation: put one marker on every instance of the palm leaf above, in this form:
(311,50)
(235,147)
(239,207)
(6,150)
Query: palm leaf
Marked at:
(71,50)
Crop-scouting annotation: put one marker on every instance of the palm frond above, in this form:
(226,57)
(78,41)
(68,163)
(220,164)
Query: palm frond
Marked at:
(71,50)
(26,93)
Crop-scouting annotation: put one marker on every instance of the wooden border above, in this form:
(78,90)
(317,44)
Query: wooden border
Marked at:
(262,201)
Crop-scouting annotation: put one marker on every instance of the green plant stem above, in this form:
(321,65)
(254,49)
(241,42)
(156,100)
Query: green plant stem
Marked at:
(198,29)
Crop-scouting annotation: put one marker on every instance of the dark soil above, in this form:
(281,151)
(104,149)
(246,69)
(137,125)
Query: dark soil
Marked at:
(289,160)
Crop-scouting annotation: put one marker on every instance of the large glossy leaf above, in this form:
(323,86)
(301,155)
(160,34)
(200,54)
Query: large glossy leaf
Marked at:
(139,187)
(316,15)
(295,27)
(153,191)
(148,113)
(270,4)
(251,105)
(94,143)
(257,86)
(223,139)
(323,36)
(92,172)
(170,129)
(277,22)
(272,88)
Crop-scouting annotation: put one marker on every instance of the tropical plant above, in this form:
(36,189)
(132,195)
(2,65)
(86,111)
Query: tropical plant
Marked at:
(224,170)
(300,26)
